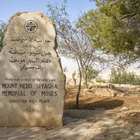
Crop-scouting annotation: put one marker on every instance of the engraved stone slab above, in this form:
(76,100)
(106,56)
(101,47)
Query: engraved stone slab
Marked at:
(31,77)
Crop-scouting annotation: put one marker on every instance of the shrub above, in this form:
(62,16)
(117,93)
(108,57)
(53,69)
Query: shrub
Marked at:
(124,77)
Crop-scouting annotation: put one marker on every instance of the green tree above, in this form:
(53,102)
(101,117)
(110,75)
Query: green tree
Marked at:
(73,42)
(114,26)
(89,74)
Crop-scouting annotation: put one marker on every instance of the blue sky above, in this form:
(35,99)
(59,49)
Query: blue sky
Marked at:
(75,9)
(10,7)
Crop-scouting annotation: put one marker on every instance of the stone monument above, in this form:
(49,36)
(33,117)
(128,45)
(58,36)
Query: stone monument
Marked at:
(31,77)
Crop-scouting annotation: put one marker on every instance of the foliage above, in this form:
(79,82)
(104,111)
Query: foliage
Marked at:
(100,80)
(2,29)
(120,76)
(114,26)
(91,73)
(72,42)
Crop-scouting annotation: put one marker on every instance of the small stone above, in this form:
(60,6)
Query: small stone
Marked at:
(124,108)
(137,134)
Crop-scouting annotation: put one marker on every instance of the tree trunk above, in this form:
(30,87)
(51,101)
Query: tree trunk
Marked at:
(85,82)
(79,88)
(85,76)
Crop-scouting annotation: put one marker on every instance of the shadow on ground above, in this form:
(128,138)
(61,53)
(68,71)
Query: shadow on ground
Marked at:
(106,103)
(108,125)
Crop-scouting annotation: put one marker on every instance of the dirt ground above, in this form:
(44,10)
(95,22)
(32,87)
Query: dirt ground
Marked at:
(118,117)
(90,101)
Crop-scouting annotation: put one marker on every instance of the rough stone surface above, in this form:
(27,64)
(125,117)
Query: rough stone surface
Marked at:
(105,92)
(31,77)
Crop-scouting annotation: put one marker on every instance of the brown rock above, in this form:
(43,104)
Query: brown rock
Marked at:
(31,78)
(104,92)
